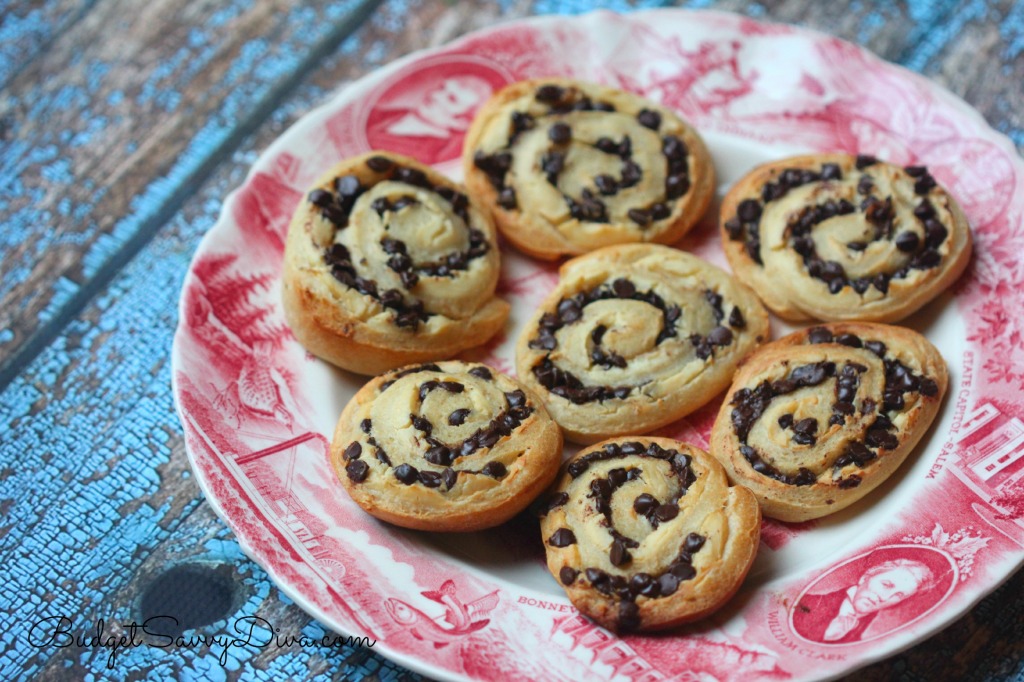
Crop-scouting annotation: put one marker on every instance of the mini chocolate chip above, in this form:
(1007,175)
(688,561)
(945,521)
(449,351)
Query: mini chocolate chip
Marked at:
(851,340)
(515,398)
(644,503)
(379,164)
(924,184)
(907,241)
(734,228)
(450,477)
(458,417)
(749,210)
(555,501)
(935,233)
(668,584)
(807,426)
(354,450)
(629,615)
(819,335)
(924,210)
(630,174)
(568,575)
(619,555)
(676,186)
(682,570)
(863,161)
(507,198)
(366,425)
(549,93)
(786,421)
(452,386)
(606,184)
(649,119)
(720,336)
(694,542)
(666,512)
(596,576)
(481,373)
(881,282)
(607,145)
(831,171)
(563,537)
(357,470)
(928,387)
(431,479)
(421,423)
(494,469)
(926,259)
(439,455)
(639,216)
(623,288)
(736,320)
(321,198)
(660,211)
(406,474)
(560,133)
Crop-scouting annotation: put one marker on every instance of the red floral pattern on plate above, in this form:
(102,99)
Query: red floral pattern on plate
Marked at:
(257,410)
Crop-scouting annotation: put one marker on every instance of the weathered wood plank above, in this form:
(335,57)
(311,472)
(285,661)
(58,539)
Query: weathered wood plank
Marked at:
(103,154)
(94,482)
(27,28)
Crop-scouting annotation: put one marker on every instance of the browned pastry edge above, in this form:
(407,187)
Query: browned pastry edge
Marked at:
(542,241)
(754,275)
(534,471)
(794,503)
(324,328)
(717,584)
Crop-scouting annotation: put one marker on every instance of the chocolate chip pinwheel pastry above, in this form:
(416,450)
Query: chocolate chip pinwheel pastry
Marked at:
(567,167)
(386,263)
(837,237)
(634,337)
(447,446)
(646,533)
(816,420)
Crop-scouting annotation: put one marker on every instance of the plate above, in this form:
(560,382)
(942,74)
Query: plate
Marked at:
(257,410)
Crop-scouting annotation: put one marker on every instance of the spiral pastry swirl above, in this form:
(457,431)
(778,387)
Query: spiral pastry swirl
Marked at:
(387,263)
(838,237)
(816,420)
(634,337)
(646,533)
(567,167)
(447,446)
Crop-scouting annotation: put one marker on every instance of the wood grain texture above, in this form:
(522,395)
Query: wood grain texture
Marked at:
(95,486)
(107,137)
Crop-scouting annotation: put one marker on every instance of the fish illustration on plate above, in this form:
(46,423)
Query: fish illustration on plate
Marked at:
(459,619)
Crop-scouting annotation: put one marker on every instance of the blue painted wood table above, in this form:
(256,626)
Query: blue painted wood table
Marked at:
(123,126)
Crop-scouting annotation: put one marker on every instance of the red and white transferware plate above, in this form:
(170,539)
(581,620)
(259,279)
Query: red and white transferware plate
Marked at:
(257,410)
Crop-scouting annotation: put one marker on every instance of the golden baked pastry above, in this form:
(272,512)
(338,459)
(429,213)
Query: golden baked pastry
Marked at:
(447,446)
(567,167)
(816,420)
(634,337)
(647,533)
(387,262)
(838,237)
